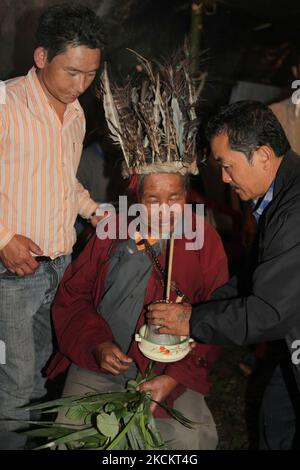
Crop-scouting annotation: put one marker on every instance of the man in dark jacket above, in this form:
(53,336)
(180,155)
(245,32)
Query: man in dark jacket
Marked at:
(253,152)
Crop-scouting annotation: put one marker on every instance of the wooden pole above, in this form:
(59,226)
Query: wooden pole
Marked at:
(195,35)
(170,265)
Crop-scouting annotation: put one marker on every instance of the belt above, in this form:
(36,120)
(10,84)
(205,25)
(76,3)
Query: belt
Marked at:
(46,259)
(43,259)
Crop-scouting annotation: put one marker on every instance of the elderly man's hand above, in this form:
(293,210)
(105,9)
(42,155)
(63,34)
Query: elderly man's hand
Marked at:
(173,318)
(111,359)
(159,387)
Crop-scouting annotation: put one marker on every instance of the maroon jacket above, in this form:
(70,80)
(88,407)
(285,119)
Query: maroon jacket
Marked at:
(79,327)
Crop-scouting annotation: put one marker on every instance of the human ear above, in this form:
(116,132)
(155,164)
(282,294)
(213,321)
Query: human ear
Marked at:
(40,56)
(296,70)
(265,154)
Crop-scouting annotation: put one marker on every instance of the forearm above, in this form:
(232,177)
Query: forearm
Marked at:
(86,205)
(6,236)
(239,321)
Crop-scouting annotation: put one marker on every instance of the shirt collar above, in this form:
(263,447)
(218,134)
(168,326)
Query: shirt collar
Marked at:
(36,93)
(259,207)
(139,241)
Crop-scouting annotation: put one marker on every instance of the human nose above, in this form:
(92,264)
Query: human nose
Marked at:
(81,84)
(225,176)
(165,208)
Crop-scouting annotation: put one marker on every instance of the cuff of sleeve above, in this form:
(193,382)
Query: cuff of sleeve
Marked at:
(88,209)
(5,237)
(196,331)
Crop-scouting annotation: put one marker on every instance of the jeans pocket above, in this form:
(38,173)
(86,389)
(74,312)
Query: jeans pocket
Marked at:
(5,273)
(2,268)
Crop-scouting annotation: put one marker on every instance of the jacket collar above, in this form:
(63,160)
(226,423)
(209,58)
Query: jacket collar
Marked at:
(289,165)
(286,172)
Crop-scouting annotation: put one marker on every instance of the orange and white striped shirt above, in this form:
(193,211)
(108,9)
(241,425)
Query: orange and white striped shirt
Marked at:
(40,196)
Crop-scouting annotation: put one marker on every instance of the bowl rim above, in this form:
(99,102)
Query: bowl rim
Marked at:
(169,346)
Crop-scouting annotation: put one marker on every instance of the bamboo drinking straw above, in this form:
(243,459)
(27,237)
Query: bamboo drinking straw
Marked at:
(170,266)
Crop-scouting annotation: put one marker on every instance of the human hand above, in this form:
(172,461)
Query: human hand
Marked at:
(111,359)
(95,219)
(174,318)
(159,387)
(17,258)
(103,210)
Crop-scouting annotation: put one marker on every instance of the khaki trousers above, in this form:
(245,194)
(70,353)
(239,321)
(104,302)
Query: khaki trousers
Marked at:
(178,437)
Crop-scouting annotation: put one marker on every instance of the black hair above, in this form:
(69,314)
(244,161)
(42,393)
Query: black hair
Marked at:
(66,24)
(249,124)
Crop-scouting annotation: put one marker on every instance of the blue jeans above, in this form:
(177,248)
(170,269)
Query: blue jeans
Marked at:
(25,328)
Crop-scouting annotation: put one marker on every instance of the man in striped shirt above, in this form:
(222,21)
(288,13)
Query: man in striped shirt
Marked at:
(42,127)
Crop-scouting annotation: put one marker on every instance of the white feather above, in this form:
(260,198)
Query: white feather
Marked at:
(111,114)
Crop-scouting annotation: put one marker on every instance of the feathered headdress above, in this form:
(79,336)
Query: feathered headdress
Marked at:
(154,122)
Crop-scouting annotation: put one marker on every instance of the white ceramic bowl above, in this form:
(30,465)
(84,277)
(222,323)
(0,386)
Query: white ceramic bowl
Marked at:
(161,352)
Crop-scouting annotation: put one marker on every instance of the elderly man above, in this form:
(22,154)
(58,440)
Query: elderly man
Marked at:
(102,301)
(42,128)
(254,154)
(104,295)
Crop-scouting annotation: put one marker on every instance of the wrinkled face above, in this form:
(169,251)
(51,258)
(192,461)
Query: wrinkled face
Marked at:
(163,191)
(70,73)
(248,179)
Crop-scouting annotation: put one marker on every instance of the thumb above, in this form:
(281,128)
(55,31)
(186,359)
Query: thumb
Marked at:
(34,248)
(144,387)
(122,357)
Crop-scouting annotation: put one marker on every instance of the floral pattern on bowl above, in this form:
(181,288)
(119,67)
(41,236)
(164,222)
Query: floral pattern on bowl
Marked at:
(161,352)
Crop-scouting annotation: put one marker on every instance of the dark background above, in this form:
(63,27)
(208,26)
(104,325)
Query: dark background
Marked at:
(242,39)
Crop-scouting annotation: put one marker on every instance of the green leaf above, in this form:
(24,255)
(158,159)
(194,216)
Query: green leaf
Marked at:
(96,441)
(72,438)
(112,420)
(108,424)
(53,432)
(135,437)
(77,413)
(177,415)
(114,444)
(61,402)
(154,437)
(109,407)
(121,412)
(151,434)
(49,424)
(87,399)
(131,385)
